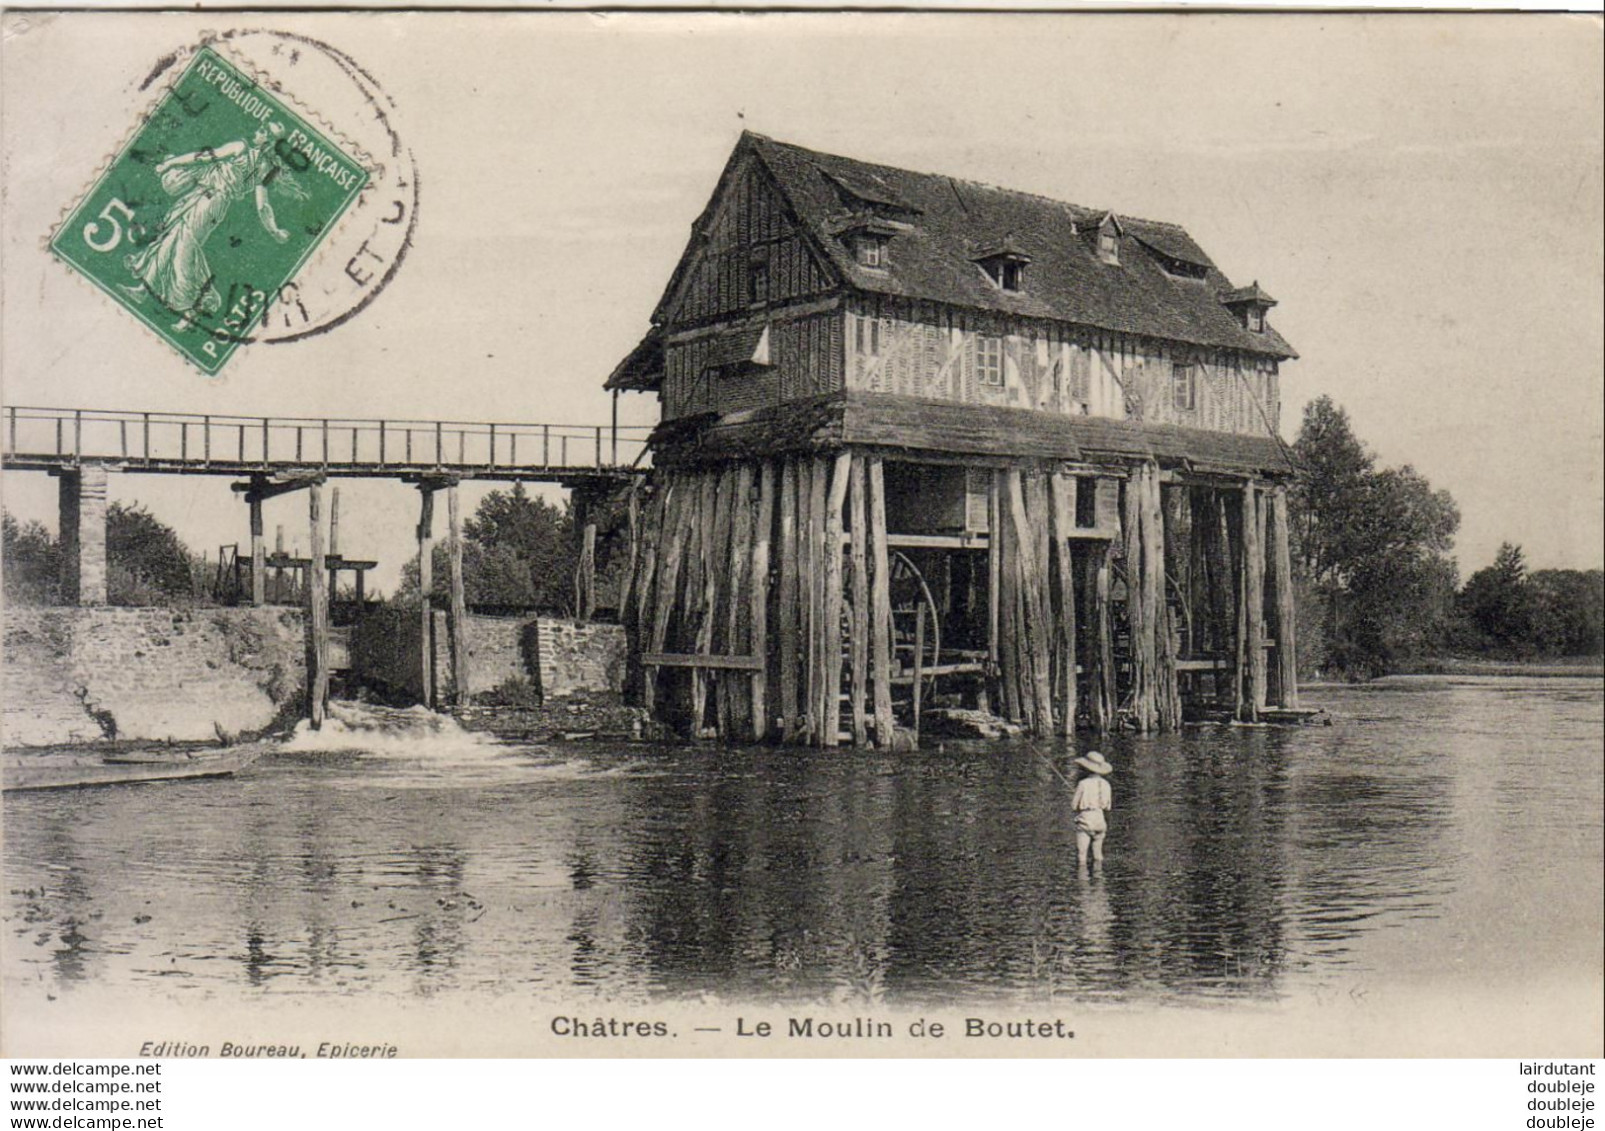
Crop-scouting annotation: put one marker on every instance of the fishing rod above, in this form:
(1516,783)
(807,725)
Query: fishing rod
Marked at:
(1044,759)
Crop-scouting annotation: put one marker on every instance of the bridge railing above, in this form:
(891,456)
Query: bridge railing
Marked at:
(167,439)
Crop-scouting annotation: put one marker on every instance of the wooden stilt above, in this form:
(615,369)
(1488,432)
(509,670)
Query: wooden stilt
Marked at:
(681,494)
(786,605)
(278,571)
(994,590)
(632,524)
(1038,510)
(822,636)
(759,615)
(859,518)
(426,590)
(1257,607)
(1103,698)
(738,684)
(643,591)
(1140,650)
(1062,516)
(831,697)
(1254,625)
(714,519)
(880,605)
(1282,576)
(334,541)
(919,667)
(458,626)
(1167,698)
(1242,696)
(318,601)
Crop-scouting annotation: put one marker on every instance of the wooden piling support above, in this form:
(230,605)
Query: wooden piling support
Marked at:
(318,602)
(759,615)
(1282,579)
(859,519)
(822,637)
(994,593)
(786,603)
(334,541)
(880,605)
(738,638)
(1140,650)
(458,626)
(680,500)
(831,697)
(919,668)
(426,589)
(1062,516)
(1257,608)
(1103,689)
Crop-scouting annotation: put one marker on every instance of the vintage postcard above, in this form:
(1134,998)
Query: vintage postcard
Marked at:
(804,534)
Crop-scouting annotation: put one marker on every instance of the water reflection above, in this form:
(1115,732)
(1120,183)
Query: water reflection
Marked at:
(1445,830)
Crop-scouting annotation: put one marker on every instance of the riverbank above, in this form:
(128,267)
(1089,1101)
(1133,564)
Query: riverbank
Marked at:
(1569,667)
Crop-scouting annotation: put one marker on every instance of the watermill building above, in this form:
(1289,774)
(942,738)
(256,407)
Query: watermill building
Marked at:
(924,440)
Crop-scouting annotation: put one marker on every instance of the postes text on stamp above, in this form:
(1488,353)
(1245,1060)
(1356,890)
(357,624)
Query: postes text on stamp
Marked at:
(210,210)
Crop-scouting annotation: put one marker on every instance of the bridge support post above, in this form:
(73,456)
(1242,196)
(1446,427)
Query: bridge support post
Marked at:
(585,568)
(318,600)
(459,602)
(258,554)
(82,512)
(426,589)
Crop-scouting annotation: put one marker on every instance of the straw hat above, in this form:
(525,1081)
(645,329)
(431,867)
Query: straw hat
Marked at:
(1092,760)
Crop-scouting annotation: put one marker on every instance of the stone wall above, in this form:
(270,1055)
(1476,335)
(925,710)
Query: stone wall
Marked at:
(558,657)
(81,674)
(578,656)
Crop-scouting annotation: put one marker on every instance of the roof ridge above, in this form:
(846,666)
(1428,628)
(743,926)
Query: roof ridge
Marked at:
(971,182)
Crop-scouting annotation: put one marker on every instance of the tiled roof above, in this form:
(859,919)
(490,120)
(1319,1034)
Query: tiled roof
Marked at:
(950,220)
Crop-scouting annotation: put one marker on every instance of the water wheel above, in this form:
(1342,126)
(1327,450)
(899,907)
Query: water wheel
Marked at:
(909,595)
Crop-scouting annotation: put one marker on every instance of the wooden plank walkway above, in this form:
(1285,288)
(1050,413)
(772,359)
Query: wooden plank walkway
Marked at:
(192,444)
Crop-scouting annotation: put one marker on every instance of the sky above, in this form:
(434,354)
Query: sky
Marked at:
(1421,193)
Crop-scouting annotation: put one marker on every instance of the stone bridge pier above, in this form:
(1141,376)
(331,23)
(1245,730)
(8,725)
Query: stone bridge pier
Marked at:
(83,533)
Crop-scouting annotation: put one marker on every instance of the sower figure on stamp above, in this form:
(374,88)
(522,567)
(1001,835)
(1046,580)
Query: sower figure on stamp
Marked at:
(1091,800)
(206,183)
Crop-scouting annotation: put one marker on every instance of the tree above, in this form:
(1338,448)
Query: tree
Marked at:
(1328,497)
(32,564)
(1372,547)
(1568,611)
(146,562)
(518,551)
(1498,603)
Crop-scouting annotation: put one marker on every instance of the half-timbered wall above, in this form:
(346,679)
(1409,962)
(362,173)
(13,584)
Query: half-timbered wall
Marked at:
(946,353)
(752,254)
(805,355)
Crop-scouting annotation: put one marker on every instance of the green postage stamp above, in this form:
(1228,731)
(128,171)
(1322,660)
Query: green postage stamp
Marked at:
(210,210)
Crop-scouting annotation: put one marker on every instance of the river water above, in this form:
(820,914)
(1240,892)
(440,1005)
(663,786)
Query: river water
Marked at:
(1441,829)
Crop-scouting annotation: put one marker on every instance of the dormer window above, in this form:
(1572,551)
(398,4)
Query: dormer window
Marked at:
(1004,264)
(869,248)
(1249,304)
(1109,240)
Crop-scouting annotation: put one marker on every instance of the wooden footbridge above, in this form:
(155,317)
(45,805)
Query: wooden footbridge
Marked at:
(271,456)
(191,444)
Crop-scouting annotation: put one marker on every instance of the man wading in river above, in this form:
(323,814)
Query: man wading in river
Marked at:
(1091,800)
